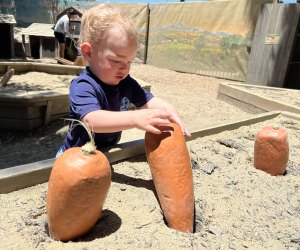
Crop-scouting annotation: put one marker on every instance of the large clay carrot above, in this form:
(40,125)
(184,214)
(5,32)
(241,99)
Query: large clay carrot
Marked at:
(271,150)
(77,189)
(171,170)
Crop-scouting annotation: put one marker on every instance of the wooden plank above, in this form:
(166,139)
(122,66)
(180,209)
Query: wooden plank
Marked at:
(26,116)
(20,102)
(246,107)
(60,106)
(24,96)
(268,63)
(64,61)
(23,176)
(250,98)
(29,117)
(56,69)
(15,178)
(21,112)
(18,67)
(21,67)
(231,125)
(20,124)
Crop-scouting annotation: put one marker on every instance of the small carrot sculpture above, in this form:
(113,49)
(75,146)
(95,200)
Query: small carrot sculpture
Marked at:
(271,150)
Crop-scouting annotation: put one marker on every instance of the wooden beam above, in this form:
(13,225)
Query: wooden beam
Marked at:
(48,112)
(41,47)
(249,97)
(64,61)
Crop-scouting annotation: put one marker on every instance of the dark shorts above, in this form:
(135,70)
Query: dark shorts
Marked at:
(60,37)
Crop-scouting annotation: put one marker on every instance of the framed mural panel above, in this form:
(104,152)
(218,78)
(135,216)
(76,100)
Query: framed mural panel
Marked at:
(208,38)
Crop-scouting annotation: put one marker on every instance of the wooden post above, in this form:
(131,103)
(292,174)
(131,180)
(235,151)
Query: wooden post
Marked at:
(47,116)
(6,77)
(41,47)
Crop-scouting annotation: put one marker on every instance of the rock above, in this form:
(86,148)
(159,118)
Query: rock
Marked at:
(209,168)
(231,144)
(214,229)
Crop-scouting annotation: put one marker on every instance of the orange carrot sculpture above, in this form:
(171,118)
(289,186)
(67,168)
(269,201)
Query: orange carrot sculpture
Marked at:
(77,189)
(271,150)
(170,166)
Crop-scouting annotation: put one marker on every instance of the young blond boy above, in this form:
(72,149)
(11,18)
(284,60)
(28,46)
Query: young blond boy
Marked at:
(101,95)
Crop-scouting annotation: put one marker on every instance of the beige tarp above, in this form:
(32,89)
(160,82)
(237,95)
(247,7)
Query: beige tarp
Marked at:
(210,38)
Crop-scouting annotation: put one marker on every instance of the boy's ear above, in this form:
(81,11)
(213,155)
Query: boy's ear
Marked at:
(86,50)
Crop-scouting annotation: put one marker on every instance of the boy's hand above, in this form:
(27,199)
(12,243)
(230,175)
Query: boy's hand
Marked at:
(156,102)
(175,118)
(149,119)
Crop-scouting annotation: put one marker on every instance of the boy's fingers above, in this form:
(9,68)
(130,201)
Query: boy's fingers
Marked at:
(162,114)
(177,120)
(160,121)
(164,118)
(187,132)
(154,130)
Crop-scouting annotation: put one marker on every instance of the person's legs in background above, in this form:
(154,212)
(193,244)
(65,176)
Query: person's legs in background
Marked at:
(62,47)
(61,38)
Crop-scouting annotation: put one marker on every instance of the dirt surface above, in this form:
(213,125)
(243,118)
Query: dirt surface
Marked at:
(237,206)
(38,81)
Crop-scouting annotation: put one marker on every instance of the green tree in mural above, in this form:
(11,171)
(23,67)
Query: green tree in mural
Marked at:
(200,43)
(231,43)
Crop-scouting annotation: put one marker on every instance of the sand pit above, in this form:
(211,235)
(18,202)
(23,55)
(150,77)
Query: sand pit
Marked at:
(237,206)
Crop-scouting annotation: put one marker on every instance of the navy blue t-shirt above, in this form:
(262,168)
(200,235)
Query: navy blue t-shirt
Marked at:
(88,93)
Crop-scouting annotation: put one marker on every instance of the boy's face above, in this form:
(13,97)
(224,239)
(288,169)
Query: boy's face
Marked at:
(111,60)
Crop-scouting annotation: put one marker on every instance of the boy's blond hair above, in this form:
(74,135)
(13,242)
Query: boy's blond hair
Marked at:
(100,19)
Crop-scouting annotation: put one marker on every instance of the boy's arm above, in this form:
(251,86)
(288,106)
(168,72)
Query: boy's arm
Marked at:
(102,121)
(158,103)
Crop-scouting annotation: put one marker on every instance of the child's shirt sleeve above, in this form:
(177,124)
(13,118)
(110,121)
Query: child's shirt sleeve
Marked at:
(83,99)
(139,96)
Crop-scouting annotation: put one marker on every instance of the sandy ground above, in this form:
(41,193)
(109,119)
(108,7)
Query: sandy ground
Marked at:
(237,206)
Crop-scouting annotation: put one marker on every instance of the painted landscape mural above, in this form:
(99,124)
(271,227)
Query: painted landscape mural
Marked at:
(209,38)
